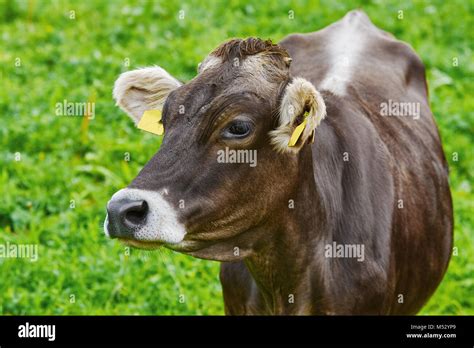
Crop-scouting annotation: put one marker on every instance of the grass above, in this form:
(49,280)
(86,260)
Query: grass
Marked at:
(57,173)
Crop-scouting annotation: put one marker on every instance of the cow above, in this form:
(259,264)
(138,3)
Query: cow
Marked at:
(348,208)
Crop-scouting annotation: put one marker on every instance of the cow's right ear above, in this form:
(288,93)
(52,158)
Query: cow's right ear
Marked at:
(143,89)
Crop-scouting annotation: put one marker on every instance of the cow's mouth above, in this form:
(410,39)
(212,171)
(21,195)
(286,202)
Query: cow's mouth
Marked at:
(184,246)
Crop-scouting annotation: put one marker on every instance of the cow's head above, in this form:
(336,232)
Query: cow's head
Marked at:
(192,196)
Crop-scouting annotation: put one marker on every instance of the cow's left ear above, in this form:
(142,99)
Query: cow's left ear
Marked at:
(143,89)
(301,110)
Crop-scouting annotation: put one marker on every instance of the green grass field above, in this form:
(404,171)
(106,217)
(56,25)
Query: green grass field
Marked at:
(57,173)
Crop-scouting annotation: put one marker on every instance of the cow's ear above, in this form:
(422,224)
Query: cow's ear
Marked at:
(301,110)
(143,89)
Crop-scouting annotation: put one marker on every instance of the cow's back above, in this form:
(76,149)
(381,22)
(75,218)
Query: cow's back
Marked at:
(393,193)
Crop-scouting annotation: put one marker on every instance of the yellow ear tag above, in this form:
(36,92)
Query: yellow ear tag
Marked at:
(295,136)
(151,122)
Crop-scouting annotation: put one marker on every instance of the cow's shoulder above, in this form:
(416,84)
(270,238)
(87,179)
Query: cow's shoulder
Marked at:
(354,51)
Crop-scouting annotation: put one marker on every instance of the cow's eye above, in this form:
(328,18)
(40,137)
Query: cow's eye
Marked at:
(238,129)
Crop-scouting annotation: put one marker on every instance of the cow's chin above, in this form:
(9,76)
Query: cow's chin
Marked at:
(202,250)
(232,248)
(141,244)
(216,251)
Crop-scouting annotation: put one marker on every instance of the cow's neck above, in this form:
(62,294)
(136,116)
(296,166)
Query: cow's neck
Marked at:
(284,265)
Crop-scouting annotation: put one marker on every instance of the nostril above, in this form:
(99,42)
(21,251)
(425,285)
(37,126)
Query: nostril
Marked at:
(126,216)
(134,213)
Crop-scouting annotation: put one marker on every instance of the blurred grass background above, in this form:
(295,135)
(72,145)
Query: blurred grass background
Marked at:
(73,158)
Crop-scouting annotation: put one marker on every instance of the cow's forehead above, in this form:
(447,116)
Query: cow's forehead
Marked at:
(191,95)
(252,76)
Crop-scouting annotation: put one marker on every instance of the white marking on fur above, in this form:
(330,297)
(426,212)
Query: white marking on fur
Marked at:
(143,89)
(261,75)
(162,223)
(299,94)
(209,62)
(347,44)
(106,223)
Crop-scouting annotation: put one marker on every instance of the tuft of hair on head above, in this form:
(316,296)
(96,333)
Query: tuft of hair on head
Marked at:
(242,48)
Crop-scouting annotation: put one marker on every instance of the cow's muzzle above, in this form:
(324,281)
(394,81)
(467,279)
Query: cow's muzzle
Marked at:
(126,216)
(144,216)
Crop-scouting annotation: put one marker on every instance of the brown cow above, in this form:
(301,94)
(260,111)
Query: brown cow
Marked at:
(352,216)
